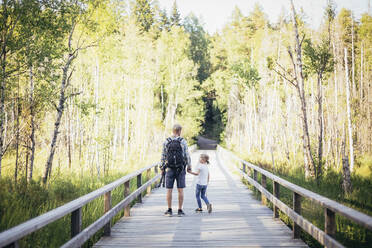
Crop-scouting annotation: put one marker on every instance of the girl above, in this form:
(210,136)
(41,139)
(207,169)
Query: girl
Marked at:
(202,182)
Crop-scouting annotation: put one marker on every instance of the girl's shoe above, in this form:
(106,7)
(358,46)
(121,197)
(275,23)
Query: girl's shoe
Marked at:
(198,210)
(209,207)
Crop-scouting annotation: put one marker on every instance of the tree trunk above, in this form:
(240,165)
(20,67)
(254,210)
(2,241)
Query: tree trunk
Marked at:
(346,180)
(60,109)
(69,154)
(353,56)
(17,134)
(32,135)
(96,122)
(2,100)
(336,104)
(350,128)
(361,74)
(301,92)
(320,122)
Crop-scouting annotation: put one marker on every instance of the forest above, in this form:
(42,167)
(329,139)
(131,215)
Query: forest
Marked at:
(89,90)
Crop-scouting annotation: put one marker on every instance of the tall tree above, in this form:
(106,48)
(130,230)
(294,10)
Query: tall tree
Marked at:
(297,79)
(10,13)
(144,14)
(318,60)
(175,17)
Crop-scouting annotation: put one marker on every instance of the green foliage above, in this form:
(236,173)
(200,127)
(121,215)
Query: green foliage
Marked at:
(144,14)
(199,47)
(245,73)
(175,17)
(318,58)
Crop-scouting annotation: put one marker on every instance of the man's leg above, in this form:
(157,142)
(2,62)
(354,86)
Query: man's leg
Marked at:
(180,198)
(169,198)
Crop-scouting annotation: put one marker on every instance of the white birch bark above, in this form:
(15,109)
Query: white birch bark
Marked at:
(350,128)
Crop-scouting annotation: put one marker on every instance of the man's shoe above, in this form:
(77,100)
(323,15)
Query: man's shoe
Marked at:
(180,213)
(198,210)
(168,212)
(209,207)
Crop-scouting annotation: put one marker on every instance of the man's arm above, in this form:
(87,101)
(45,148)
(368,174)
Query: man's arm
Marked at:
(163,155)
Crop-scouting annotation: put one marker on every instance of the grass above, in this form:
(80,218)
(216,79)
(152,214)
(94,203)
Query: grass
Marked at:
(22,201)
(348,232)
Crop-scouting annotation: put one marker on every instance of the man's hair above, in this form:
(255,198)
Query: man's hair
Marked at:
(177,128)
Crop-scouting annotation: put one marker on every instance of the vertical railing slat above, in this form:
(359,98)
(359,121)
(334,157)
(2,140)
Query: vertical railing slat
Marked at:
(263,183)
(276,192)
(297,209)
(107,207)
(76,220)
(148,174)
(139,184)
(329,222)
(126,193)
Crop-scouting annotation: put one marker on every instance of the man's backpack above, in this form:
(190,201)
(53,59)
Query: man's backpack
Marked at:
(174,157)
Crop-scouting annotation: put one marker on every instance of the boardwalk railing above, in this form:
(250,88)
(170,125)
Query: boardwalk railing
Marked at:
(78,236)
(331,208)
(11,236)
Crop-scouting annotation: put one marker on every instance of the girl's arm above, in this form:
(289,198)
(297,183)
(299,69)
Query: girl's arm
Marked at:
(208,177)
(195,173)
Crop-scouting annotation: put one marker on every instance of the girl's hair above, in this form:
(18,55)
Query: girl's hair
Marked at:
(205,157)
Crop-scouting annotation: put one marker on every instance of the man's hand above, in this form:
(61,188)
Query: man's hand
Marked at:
(188,169)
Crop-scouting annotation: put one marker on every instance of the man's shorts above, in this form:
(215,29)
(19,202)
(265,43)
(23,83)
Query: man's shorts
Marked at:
(171,175)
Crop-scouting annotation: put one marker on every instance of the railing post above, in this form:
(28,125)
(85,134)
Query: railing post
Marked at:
(139,184)
(15,244)
(263,183)
(76,222)
(107,227)
(329,222)
(297,209)
(148,174)
(244,168)
(126,193)
(156,169)
(254,174)
(276,191)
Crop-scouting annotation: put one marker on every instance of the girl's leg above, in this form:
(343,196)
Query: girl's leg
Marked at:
(203,196)
(197,194)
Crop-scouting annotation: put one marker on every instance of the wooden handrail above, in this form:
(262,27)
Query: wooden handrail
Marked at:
(330,207)
(14,234)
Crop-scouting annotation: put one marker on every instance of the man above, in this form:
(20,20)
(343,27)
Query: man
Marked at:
(175,157)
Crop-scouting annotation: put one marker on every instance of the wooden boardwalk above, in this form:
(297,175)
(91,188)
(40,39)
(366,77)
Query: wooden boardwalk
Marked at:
(237,220)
